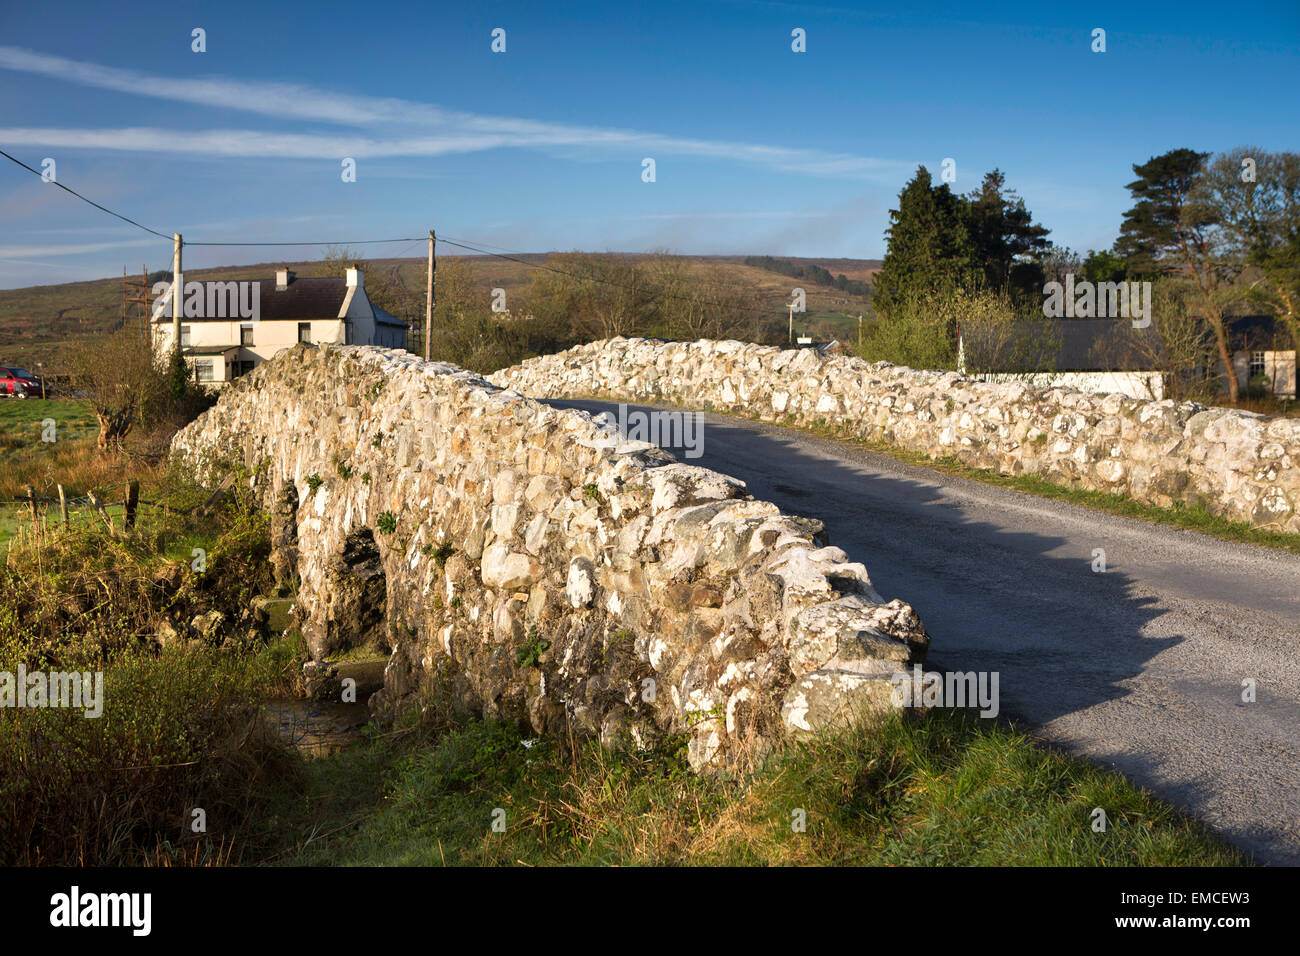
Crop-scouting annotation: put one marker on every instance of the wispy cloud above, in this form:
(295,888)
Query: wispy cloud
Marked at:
(12,252)
(422,129)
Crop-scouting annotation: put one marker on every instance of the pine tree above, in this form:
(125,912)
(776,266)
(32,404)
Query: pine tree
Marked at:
(929,243)
(1166,231)
(1002,231)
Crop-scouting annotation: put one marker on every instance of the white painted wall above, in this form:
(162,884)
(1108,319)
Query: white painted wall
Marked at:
(1143,385)
(1280,367)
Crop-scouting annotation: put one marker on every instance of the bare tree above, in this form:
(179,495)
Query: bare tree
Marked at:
(118,377)
(1254,197)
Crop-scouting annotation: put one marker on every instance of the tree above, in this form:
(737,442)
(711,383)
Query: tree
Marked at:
(126,387)
(1003,234)
(930,246)
(700,301)
(1182,347)
(1168,231)
(1104,266)
(1254,198)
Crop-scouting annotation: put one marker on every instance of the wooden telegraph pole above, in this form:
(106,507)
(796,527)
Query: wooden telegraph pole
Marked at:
(428,302)
(178,288)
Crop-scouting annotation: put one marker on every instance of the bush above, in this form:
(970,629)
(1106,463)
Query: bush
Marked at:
(181,727)
(920,330)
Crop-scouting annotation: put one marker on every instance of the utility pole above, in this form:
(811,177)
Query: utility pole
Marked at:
(428,302)
(859,330)
(178,286)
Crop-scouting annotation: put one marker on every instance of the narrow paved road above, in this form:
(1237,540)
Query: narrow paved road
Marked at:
(1139,668)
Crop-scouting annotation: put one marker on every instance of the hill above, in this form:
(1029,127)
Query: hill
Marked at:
(37,322)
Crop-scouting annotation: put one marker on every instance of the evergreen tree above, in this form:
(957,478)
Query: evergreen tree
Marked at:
(1168,230)
(1153,232)
(930,246)
(1002,231)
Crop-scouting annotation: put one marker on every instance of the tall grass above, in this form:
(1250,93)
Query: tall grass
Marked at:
(181,728)
(944,789)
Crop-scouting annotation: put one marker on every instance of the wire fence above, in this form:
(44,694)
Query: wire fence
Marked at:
(33,511)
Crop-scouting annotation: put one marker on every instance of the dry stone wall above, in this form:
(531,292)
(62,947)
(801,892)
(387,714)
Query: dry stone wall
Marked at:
(1240,465)
(509,558)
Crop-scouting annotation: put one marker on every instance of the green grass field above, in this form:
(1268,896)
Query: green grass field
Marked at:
(26,459)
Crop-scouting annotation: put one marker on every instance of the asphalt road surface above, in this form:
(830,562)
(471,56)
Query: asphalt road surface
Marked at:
(1139,668)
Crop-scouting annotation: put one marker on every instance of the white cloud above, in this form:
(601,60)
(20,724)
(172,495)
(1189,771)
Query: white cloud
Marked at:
(12,252)
(420,129)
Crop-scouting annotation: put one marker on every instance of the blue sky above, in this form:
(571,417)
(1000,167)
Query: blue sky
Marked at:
(757,149)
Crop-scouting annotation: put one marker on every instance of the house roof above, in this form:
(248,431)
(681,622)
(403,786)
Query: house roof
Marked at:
(1113,345)
(305,298)
(208,349)
(1263,332)
(1081,345)
(386,318)
(1106,345)
(309,297)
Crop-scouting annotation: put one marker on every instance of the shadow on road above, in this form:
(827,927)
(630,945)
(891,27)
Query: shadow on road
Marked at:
(1062,636)
(1074,649)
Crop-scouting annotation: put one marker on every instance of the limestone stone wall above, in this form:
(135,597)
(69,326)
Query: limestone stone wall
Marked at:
(507,557)
(1238,464)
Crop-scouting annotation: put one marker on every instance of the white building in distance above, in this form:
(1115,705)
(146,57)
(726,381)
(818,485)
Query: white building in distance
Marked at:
(228,329)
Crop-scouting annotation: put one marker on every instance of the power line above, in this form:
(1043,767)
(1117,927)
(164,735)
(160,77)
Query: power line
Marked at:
(367,242)
(37,172)
(355,242)
(83,198)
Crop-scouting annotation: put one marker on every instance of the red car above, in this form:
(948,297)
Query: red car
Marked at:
(19,383)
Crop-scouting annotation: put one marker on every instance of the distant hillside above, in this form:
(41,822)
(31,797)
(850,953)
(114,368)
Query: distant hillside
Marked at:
(38,321)
(810,271)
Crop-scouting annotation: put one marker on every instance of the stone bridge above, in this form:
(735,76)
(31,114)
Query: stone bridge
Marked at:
(1240,465)
(512,558)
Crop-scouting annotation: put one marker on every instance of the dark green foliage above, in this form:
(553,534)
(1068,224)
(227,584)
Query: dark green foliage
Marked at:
(1154,230)
(930,246)
(810,271)
(1104,266)
(1007,242)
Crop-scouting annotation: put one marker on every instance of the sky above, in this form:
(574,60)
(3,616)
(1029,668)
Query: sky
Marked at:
(757,149)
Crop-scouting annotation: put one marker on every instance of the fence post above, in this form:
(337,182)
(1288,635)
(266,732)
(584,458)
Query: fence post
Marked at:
(99,506)
(63,505)
(31,503)
(132,498)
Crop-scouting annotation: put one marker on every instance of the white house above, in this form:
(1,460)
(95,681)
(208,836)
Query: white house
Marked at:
(1262,348)
(228,328)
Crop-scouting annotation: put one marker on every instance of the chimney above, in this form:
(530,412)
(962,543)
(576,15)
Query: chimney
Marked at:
(282,279)
(354,276)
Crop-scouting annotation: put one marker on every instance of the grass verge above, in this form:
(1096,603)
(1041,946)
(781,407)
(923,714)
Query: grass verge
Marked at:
(940,788)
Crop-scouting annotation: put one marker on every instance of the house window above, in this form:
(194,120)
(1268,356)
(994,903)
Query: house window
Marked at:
(203,370)
(185,336)
(304,332)
(245,335)
(1256,364)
